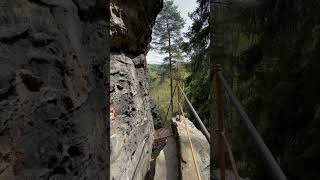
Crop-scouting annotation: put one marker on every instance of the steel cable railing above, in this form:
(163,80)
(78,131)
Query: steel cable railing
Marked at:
(204,130)
(199,121)
(276,171)
(191,145)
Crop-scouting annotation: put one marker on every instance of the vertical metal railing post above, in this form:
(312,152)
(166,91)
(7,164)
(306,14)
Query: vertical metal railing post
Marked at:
(219,109)
(178,110)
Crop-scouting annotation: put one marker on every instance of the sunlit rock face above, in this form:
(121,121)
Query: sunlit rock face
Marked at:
(131,126)
(201,150)
(53,54)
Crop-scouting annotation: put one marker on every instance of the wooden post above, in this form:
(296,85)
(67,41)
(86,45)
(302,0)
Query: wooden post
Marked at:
(219,108)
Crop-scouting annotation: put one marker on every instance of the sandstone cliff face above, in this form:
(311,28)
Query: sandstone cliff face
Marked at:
(131,24)
(131,126)
(52,89)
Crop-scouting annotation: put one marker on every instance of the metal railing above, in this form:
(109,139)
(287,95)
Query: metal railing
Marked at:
(275,169)
(190,143)
(203,129)
(220,84)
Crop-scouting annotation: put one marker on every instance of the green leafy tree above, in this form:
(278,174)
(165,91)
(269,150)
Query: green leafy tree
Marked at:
(168,38)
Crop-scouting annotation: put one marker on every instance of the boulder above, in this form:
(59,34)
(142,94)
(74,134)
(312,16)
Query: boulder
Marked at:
(201,149)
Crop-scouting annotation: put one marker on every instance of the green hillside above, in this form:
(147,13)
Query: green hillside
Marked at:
(160,87)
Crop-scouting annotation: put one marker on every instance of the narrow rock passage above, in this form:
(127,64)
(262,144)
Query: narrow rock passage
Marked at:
(167,162)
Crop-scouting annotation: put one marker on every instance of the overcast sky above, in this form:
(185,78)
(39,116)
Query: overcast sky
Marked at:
(184,7)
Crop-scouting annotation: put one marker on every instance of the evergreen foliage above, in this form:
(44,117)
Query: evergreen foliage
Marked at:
(270,51)
(167,36)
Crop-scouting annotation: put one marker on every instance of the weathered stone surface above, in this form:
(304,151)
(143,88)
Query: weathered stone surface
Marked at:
(167,163)
(157,120)
(201,148)
(202,153)
(131,126)
(52,55)
(131,24)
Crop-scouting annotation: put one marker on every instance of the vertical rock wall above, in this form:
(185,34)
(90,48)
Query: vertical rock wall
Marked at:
(52,59)
(131,122)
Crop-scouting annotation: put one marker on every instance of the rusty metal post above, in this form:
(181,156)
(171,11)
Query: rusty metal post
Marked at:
(219,110)
(178,102)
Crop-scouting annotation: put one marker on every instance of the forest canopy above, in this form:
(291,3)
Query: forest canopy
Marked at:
(269,51)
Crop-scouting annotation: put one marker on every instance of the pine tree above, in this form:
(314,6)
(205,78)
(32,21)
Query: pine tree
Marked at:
(168,38)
